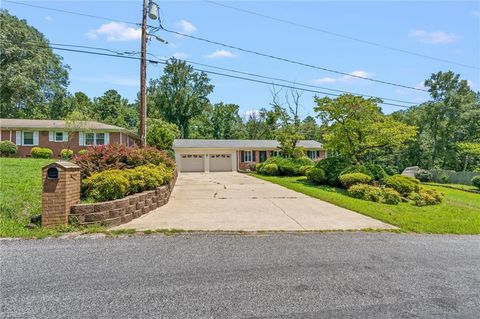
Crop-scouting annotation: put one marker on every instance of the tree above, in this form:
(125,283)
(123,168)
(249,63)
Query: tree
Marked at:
(218,121)
(181,94)
(111,108)
(161,134)
(75,122)
(310,129)
(32,75)
(80,102)
(356,126)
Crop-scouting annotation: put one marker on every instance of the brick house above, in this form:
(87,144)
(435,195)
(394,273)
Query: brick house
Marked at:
(55,135)
(192,155)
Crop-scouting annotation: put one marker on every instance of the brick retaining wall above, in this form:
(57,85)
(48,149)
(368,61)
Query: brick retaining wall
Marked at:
(120,211)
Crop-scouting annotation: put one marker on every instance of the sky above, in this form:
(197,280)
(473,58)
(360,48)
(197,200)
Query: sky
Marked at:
(444,30)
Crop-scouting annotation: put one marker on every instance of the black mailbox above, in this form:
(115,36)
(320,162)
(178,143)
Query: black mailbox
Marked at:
(52,173)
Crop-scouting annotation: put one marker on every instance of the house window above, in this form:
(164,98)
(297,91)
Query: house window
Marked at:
(58,136)
(90,139)
(273,153)
(27,138)
(246,156)
(99,138)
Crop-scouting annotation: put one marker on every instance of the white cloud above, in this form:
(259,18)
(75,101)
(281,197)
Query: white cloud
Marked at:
(115,31)
(472,84)
(345,78)
(252,113)
(421,86)
(220,54)
(437,37)
(185,27)
(180,55)
(110,79)
(48,18)
(325,80)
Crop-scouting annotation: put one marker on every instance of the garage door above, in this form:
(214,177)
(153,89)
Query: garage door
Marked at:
(192,163)
(220,162)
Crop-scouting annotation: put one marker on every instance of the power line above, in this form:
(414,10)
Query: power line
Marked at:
(233,47)
(290,61)
(336,34)
(121,53)
(206,71)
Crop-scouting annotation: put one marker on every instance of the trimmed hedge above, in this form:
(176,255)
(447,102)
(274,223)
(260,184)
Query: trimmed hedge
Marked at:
(66,154)
(115,156)
(304,169)
(476,181)
(426,197)
(362,169)
(375,194)
(351,179)
(286,166)
(41,152)
(7,148)
(270,169)
(115,184)
(405,185)
(333,166)
(316,175)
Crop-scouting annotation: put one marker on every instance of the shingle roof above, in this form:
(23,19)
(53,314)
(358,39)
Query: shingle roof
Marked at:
(58,124)
(194,143)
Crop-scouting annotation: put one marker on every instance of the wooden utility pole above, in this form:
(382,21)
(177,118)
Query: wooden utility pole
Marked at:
(143,79)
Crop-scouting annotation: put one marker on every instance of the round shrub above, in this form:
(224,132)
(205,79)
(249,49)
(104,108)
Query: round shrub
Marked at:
(376,171)
(426,197)
(40,152)
(316,175)
(270,169)
(390,196)
(82,152)
(424,176)
(402,184)
(391,170)
(356,169)
(66,154)
(302,161)
(333,166)
(7,148)
(476,181)
(366,192)
(106,185)
(303,169)
(259,167)
(348,180)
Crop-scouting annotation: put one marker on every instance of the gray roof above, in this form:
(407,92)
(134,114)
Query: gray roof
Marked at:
(58,125)
(238,144)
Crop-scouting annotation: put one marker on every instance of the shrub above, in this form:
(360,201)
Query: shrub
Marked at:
(316,175)
(303,169)
(40,152)
(423,175)
(390,196)
(259,167)
(153,176)
(66,154)
(476,181)
(444,179)
(302,161)
(402,184)
(287,166)
(377,171)
(366,192)
(82,152)
(106,185)
(426,197)
(7,148)
(270,169)
(106,157)
(391,170)
(356,169)
(333,166)
(348,180)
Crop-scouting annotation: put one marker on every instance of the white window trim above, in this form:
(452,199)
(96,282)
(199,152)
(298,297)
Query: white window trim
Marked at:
(245,157)
(20,138)
(52,136)
(83,137)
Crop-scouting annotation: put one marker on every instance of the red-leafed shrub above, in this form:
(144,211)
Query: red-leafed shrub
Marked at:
(107,157)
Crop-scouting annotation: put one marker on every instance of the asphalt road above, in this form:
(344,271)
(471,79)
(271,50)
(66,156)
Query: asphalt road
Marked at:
(340,275)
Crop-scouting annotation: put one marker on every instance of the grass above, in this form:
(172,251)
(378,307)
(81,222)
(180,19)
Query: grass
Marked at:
(458,214)
(456,186)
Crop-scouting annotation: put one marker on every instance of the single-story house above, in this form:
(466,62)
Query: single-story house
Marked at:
(194,155)
(57,135)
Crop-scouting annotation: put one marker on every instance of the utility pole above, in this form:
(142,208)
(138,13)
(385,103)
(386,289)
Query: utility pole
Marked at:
(143,79)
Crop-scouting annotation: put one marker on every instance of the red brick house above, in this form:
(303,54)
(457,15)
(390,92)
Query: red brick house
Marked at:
(196,155)
(56,135)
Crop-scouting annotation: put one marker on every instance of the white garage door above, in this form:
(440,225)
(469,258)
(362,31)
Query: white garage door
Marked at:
(192,163)
(220,162)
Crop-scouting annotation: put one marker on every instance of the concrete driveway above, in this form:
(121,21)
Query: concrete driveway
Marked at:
(237,202)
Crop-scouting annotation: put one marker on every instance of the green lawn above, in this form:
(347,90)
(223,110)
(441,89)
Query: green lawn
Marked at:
(458,186)
(20,197)
(458,214)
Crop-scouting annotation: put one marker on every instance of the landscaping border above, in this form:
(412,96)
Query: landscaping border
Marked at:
(120,211)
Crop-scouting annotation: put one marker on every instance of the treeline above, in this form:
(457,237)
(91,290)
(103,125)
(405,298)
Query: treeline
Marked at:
(443,132)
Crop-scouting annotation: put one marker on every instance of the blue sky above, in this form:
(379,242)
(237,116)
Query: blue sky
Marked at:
(447,30)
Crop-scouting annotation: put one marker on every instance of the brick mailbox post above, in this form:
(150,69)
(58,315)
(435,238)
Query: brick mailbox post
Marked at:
(61,189)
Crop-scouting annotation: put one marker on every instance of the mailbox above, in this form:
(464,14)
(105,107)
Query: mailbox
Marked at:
(52,173)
